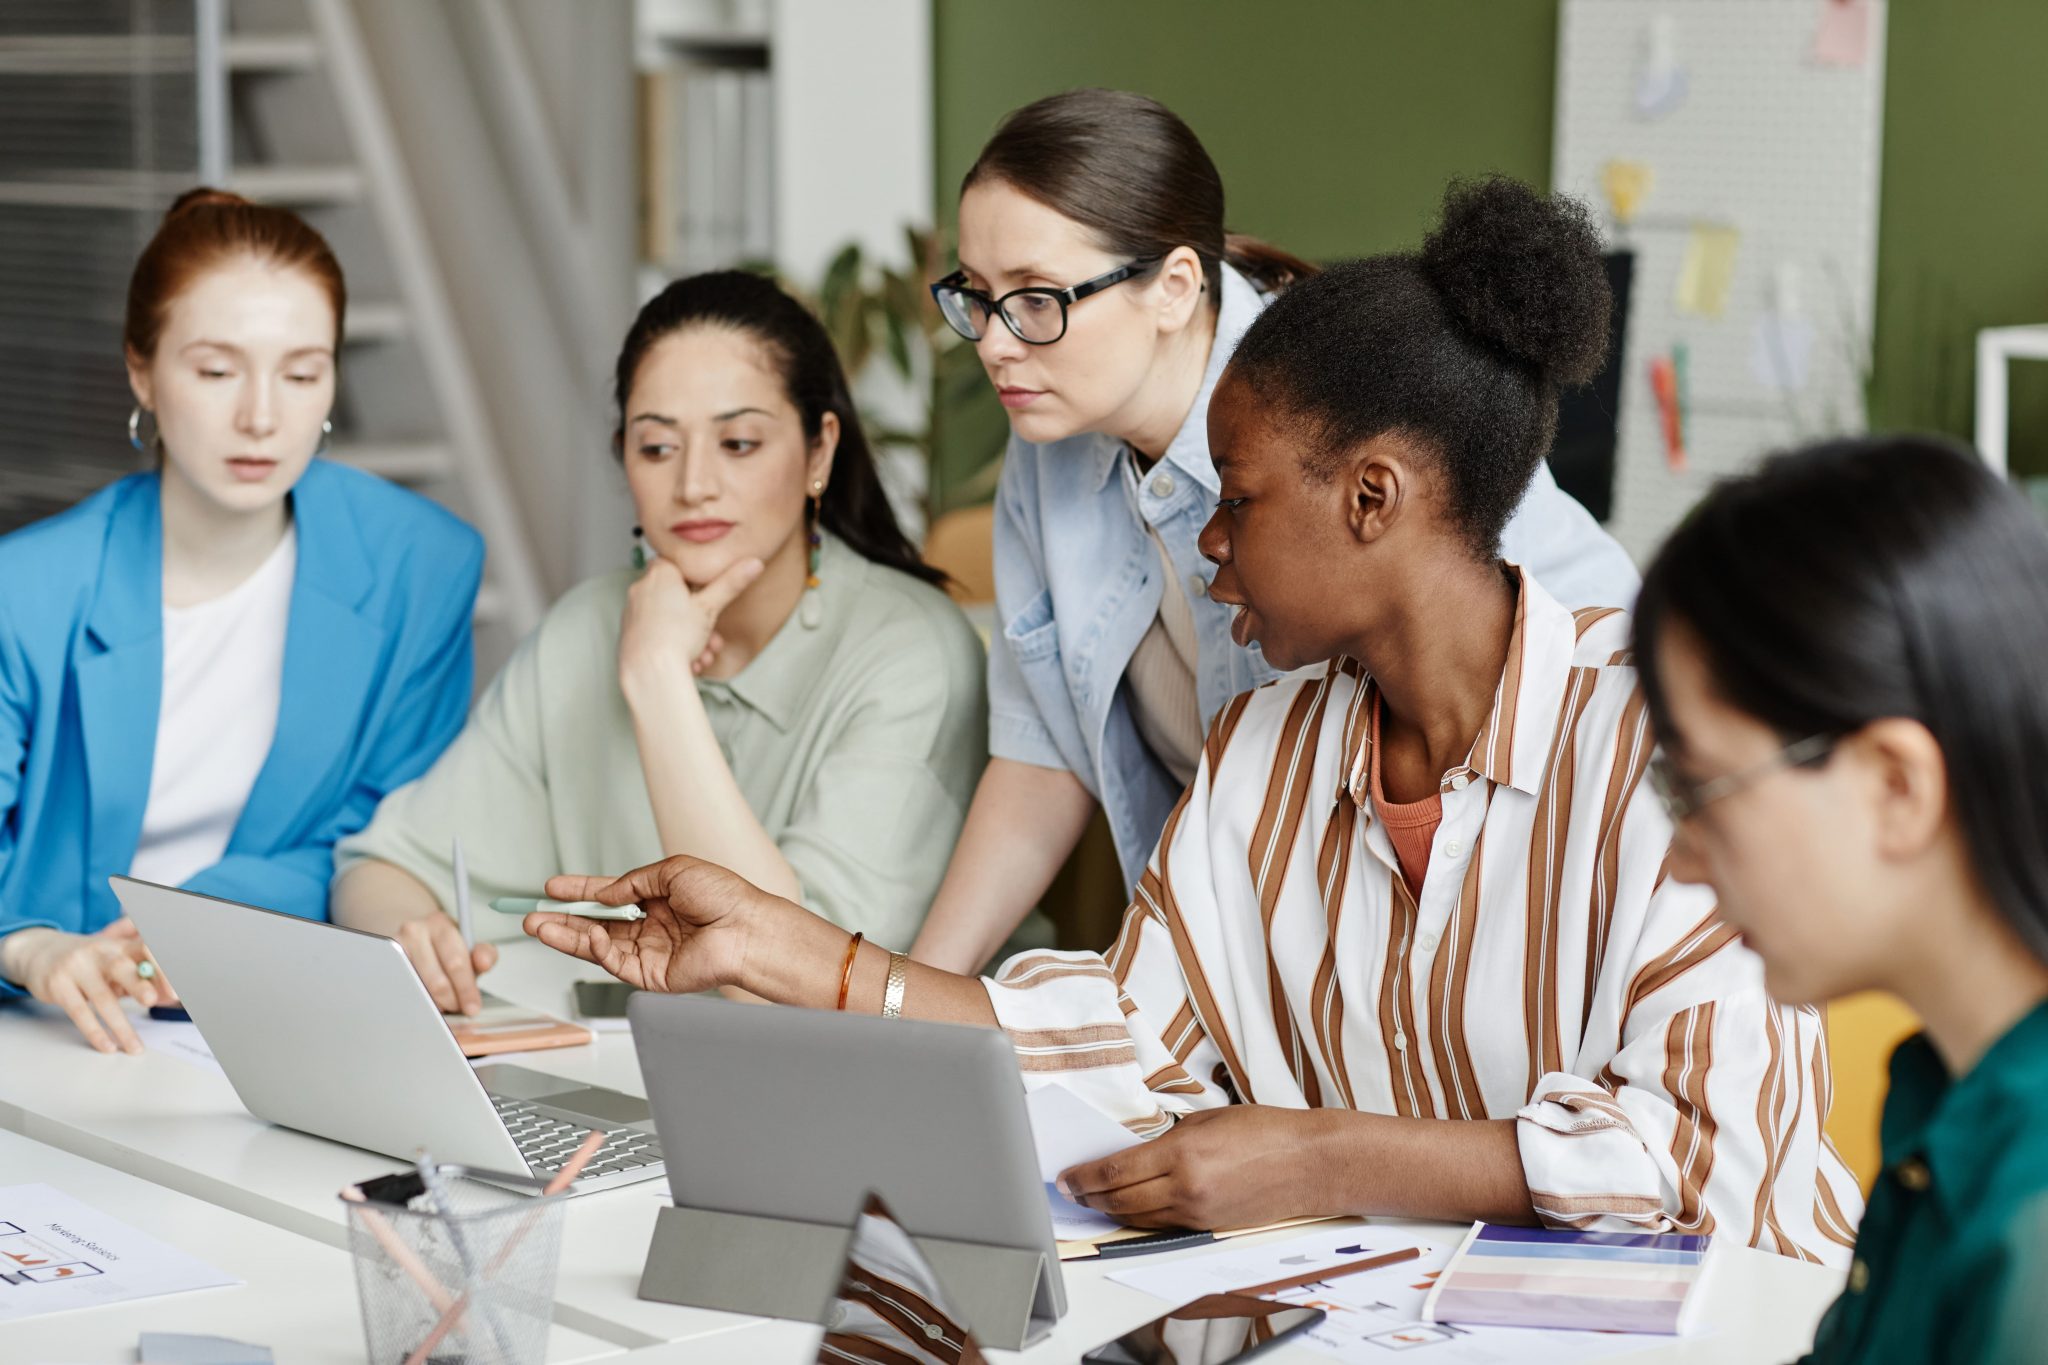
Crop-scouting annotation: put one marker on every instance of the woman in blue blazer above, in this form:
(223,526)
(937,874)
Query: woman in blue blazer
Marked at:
(211,672)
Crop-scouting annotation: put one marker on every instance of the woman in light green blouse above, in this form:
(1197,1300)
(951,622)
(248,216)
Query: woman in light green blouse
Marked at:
(783,690)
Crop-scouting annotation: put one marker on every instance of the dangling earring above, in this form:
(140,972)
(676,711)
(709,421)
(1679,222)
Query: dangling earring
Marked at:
(639,550)
(135,431)
(811,511)
(812,610)
(326,439)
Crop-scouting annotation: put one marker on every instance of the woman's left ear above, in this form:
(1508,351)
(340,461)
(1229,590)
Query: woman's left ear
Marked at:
(1910,775)
(818,473)
(1180,288)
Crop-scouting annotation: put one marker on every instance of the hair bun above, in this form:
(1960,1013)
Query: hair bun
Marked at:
(200,197)
(1522,272)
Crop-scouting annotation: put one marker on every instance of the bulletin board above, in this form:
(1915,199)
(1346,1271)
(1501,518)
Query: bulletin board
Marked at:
(1740,140)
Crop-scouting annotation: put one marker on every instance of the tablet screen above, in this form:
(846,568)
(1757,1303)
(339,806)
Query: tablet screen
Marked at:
(1209,1331)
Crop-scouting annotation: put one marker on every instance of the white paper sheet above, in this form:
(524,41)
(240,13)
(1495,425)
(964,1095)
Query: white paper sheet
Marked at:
(177,1039)
(57,1254)
(1068,1130)
(1374,1311)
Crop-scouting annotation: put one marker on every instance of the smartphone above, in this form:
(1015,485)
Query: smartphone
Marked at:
(1208,1331)
(602,999)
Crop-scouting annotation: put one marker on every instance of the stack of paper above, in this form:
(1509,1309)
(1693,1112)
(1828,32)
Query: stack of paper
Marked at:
(1591,1281)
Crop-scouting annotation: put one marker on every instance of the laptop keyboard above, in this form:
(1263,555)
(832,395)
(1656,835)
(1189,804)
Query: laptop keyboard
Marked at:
(546,1142)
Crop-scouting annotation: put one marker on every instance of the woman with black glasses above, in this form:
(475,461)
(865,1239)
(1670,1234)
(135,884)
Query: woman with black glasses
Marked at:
(1105,298)
(1841,656)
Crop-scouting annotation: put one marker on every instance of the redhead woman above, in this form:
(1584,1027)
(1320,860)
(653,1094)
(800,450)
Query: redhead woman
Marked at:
(211,672)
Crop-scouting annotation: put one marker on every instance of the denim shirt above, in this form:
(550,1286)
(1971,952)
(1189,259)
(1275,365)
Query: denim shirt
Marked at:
(1078,583)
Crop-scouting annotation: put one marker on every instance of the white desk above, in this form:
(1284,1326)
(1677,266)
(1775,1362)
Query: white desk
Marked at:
(166,1121)
(299,1296)
(163,1120)
(1760,1309)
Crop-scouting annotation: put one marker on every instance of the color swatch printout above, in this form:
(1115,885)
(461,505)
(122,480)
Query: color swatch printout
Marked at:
(57,1254)
(1556,1277)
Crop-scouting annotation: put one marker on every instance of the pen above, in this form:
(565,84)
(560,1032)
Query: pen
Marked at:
(462,897)
(522,905)
(1157,1241)
(444,1204)
(1330,1272)
(563,1178)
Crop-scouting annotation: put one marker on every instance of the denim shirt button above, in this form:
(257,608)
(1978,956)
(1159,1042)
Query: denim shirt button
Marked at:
(1198,586)
(1162,486)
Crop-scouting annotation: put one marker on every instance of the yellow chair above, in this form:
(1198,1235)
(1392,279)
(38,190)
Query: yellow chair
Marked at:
(1862,1031)
(961,544)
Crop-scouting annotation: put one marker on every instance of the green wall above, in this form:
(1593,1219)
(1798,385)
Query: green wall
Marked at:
(1336,122)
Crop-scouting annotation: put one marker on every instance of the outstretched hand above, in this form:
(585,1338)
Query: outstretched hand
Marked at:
(700,920)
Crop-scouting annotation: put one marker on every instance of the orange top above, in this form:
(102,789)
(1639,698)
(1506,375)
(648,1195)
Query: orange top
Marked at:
(1410,825)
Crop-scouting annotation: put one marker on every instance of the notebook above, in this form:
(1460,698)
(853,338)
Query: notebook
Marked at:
(1585,1281)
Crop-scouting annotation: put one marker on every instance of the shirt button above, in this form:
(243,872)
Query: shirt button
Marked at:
(1427,943)
(1162,486)
(1400,1042)
(1198,586)
(934,1331)
(1453,849)
(1461,781)
(1913,1174)
(1859,1276)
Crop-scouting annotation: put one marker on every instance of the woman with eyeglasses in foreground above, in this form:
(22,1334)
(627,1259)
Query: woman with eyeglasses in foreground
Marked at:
(1406,946)
(1104,298)
(1842,656)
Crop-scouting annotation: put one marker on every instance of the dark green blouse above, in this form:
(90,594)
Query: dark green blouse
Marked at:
(1952,1259)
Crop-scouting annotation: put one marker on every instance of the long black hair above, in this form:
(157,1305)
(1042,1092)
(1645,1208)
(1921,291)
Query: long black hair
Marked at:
(1862,579)
(1462,346)
(1132,172)
(853,506)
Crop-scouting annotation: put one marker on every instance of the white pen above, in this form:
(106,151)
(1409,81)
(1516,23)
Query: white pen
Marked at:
(462,920)
(526,905)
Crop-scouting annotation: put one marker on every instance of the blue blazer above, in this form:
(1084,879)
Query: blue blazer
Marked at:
(377,667)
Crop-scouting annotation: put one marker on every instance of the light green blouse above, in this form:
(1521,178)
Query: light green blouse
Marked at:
(857,741)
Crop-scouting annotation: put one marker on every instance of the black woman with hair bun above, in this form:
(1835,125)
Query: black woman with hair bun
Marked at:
(1842,657)
(1407,945)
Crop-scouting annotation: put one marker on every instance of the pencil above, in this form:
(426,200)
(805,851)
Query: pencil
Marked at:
(563,1178)
(1331,1272)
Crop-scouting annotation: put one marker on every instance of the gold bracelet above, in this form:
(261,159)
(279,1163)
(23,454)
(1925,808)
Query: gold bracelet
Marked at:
(892,992)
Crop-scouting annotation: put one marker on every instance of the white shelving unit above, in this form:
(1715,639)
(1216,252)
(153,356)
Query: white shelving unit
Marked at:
(1998,347)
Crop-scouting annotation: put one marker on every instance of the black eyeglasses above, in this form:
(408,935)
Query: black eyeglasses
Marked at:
(1683,798)
(1036,315)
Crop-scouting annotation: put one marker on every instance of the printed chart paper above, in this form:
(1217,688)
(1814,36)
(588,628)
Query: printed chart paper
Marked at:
(58,1254)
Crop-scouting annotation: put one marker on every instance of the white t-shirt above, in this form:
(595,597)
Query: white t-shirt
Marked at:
(223,675)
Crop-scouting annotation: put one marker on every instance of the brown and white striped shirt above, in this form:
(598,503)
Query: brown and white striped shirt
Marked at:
(1549,971)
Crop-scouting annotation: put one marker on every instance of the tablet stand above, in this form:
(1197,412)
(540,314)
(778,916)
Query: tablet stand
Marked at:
(780,1268)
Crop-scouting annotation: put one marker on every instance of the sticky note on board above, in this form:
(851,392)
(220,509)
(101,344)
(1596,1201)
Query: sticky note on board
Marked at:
(1627,184)
(1781,352)
(1842,35)
(1708,268)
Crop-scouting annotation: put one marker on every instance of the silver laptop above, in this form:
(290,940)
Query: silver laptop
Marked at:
(801,1115)
(329,1031)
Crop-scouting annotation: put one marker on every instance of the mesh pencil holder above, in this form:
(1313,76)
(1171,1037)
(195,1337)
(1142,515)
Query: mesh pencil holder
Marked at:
(473,1284)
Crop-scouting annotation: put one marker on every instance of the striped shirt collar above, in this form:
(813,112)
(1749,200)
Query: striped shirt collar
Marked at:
(1512,748)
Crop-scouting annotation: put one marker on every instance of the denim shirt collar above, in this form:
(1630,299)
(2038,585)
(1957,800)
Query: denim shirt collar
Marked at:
(1189,449)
